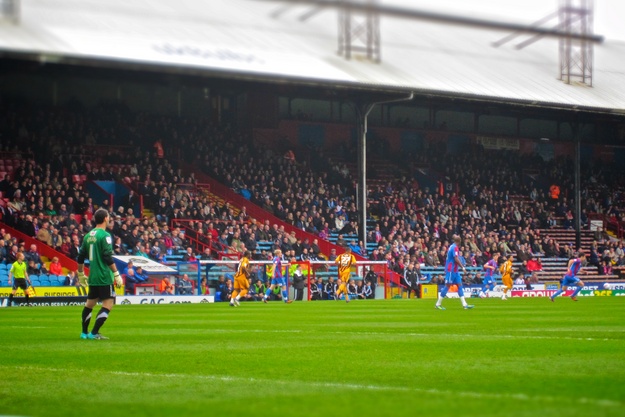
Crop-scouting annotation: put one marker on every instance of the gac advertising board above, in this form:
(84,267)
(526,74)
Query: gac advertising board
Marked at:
(165,299)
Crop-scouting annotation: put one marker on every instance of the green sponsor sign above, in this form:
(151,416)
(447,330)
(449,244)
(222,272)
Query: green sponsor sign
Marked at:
(602,293)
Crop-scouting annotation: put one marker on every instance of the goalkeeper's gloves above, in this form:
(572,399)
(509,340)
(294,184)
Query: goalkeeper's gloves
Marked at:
(83,279)
(118,279)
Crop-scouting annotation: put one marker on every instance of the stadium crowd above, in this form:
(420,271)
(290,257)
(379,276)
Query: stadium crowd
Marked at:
(493,205)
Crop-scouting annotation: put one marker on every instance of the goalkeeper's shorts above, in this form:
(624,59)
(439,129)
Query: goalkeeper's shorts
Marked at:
(101,292)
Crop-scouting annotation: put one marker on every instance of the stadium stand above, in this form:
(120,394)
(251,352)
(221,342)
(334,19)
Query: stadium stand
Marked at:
(409,219)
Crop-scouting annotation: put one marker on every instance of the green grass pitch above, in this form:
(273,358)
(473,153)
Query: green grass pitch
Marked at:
(521,357)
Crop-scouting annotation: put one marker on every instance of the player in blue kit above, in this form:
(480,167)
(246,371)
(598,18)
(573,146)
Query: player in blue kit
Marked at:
(571,279)
(277,279)
(489,279)
(453,264)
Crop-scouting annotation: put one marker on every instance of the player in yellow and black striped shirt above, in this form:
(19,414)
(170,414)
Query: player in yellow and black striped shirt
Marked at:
(241,284)
(345,262)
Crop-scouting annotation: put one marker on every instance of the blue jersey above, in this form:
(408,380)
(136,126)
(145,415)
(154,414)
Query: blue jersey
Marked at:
(277,267)
(574,268)
(489,272)
(450,264)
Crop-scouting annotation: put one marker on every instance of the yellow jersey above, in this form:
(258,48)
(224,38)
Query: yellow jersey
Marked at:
(506,269)
(243,269)
(345,262)
(18,269)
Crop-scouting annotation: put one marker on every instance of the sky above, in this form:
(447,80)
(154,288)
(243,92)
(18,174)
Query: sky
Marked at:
(609,14)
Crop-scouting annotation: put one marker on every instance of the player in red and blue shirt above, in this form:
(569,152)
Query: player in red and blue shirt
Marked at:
(488,284)
(571,279)
(277,279)
(453,265)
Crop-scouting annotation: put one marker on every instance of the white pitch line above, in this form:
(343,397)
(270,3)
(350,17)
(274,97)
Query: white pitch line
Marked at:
(382,334)
(338,385)
(445,335)
(478,336)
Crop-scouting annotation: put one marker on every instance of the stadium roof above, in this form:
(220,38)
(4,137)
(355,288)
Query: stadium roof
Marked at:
(242,38)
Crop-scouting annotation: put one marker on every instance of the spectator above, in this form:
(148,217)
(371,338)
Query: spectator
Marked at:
(299,283)
(44,235)
(3,251)
(33,268)
(166,287)
(189,256)
(258,290)
(606,268)
(204,290)
(71,280)
(75,247)
(368,291)
(184,286)
(330,289)
(56,240)
(220,287)
(55,267)
(141,276)
(528,282)
(132,275)
(316,290)
(352,289)
(372,278)
(360,290)
(226,294)
(33,255)
(534,265)
(12,254)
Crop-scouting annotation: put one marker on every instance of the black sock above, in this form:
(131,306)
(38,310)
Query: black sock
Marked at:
(103,314)
(27,297)
(86,318)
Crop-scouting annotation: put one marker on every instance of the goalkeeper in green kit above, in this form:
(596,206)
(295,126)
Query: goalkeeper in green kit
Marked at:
(103,274)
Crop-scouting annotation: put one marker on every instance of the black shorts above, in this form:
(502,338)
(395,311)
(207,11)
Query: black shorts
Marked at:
(101,292)
(20,283)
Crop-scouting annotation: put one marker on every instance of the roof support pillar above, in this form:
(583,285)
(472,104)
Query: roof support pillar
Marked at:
(363,108)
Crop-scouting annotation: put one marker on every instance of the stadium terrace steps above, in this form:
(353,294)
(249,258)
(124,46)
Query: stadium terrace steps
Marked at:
(380,171)
(567,236)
